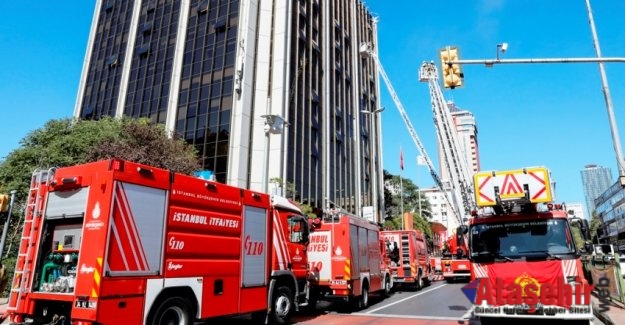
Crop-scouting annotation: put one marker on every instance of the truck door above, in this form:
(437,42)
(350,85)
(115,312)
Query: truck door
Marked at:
(299,238)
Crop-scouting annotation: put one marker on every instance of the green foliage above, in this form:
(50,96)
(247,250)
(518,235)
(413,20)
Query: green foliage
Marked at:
(66,142)
(411,197)
(578,238)
(149,144)
(288,188)
(595,224)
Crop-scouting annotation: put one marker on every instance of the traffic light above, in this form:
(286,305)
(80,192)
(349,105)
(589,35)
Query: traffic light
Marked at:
(452,74)
(4,202)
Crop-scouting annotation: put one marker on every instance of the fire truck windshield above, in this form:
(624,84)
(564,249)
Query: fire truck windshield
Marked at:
(535,239)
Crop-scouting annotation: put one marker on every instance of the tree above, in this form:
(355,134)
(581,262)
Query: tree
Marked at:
(66,142)
(411,198)
(595,224)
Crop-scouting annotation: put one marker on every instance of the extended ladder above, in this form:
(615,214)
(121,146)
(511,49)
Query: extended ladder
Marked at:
(365,49)
(460,178)
(27,252)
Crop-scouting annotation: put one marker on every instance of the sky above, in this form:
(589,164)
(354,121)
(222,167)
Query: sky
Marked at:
(551,115)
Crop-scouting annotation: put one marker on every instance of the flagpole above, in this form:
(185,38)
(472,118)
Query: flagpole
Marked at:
(418,188)
(401,187)
(401,197)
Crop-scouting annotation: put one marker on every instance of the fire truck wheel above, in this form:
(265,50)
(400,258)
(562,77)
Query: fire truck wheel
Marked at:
(363,301)
(172,310)
(312,299)
(419,281)
(387,286)
(283,305)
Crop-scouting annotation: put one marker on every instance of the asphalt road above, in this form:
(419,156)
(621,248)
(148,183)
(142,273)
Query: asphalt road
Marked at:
(439,304)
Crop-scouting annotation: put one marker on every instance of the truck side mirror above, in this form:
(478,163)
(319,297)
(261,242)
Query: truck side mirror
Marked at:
(588,247)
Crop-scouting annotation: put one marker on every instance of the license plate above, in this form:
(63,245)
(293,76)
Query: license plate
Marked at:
(462,267)
(338,282)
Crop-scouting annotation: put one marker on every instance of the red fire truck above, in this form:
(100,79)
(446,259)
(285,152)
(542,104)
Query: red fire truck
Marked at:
(115,242)
(521,247)
(408,251)
(455,262)
(346,257)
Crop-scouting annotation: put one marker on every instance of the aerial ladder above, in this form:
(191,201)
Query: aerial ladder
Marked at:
(366,50)
(457,166)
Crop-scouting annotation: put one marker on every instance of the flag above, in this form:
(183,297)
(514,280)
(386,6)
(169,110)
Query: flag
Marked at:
(421,160)
(401,159)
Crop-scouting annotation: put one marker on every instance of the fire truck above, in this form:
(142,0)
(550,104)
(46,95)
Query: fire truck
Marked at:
(409,257)
(116,242)
(521,247)
(455,262)
(346,256)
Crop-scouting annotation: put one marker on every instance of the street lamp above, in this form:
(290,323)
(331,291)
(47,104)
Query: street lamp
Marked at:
(274,124)
(373,112)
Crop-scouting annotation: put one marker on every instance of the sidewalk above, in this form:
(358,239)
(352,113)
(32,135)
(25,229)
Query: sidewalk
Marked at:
(615,313)
(3,308)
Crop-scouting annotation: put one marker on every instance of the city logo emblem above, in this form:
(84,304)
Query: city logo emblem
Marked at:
(525,279)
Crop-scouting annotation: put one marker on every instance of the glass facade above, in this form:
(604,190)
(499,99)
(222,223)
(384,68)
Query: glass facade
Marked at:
(596,180)
(610,208)
(104,73)
(208,69)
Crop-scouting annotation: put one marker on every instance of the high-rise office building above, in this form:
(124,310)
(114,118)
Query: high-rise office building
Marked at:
(595,180)
(466,132)
(216,71)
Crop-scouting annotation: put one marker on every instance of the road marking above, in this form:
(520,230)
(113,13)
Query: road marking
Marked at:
(468,314)
(408,316)
(402,300)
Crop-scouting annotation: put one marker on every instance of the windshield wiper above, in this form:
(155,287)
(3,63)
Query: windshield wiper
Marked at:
(505,258)
(548,255)
(495,256)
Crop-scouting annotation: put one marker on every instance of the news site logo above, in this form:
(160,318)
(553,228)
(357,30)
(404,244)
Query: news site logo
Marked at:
(527,294)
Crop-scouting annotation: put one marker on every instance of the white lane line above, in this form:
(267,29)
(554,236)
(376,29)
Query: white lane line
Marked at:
(402,300)
(407,316)
(468,314)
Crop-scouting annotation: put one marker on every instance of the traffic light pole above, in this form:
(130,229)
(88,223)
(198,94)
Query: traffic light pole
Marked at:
(620,162)
(7,223)
(491,62)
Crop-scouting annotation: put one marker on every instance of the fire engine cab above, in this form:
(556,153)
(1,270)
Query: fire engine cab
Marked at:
(116,242)
(522,250)
(346,258)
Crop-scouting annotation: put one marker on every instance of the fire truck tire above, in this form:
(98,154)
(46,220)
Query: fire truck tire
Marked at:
(387,286)
(283,305)
(419,280)
(313,298)
(363,301)
(171,310)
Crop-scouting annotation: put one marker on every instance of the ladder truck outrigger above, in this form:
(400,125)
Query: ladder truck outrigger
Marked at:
(525,263)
